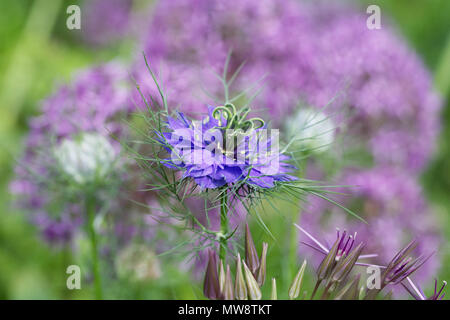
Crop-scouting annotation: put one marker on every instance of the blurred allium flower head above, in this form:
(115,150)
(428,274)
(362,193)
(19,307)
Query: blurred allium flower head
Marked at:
(86,158)
(106,21)
(71,133)
(137,262)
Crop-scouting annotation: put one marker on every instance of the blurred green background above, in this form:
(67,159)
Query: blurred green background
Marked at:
(37,51)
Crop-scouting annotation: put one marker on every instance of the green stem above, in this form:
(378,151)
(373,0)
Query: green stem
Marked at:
(90,209)
(223,226)
(315,289)
(293,243)
(292,236)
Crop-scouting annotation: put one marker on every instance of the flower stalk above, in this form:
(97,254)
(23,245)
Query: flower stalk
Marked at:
(90,210)
(223,227)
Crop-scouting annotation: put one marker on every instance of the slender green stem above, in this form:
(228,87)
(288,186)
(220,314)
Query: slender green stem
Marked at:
(315,289)
(223,226)
(292,236)
(293,243)
(90,209)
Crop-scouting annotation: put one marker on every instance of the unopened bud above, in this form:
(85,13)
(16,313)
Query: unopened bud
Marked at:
(254,292)
(240,289)
(294,290)
(211,286)
(251,255)
(221,276)
(273,295)
(228,287)
(261,278)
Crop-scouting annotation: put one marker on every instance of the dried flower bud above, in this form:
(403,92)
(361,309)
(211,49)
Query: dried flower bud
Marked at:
(296,285)
(254,292)
(261,278)
(240,289)
(251,255)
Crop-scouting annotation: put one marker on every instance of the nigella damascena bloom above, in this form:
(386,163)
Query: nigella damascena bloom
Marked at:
(225,148)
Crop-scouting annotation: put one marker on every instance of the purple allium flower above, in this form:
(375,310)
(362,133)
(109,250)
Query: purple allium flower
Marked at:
(262,33)
(403,265)
(105,21)
(391,203)
(202,150)
(344,244)
(92,103)
(308,53)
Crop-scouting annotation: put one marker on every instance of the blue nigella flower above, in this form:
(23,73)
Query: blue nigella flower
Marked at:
(225,148)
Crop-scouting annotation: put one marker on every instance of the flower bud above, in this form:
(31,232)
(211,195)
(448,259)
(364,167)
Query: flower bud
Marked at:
(328,263)
(251,255)
(228,287)
(254,292)
(211,285)
(240,288)
(261,278)
(221,276)
(296,285)
(273,295)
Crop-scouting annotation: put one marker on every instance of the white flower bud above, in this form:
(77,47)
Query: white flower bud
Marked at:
(310,130)
(86,158)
